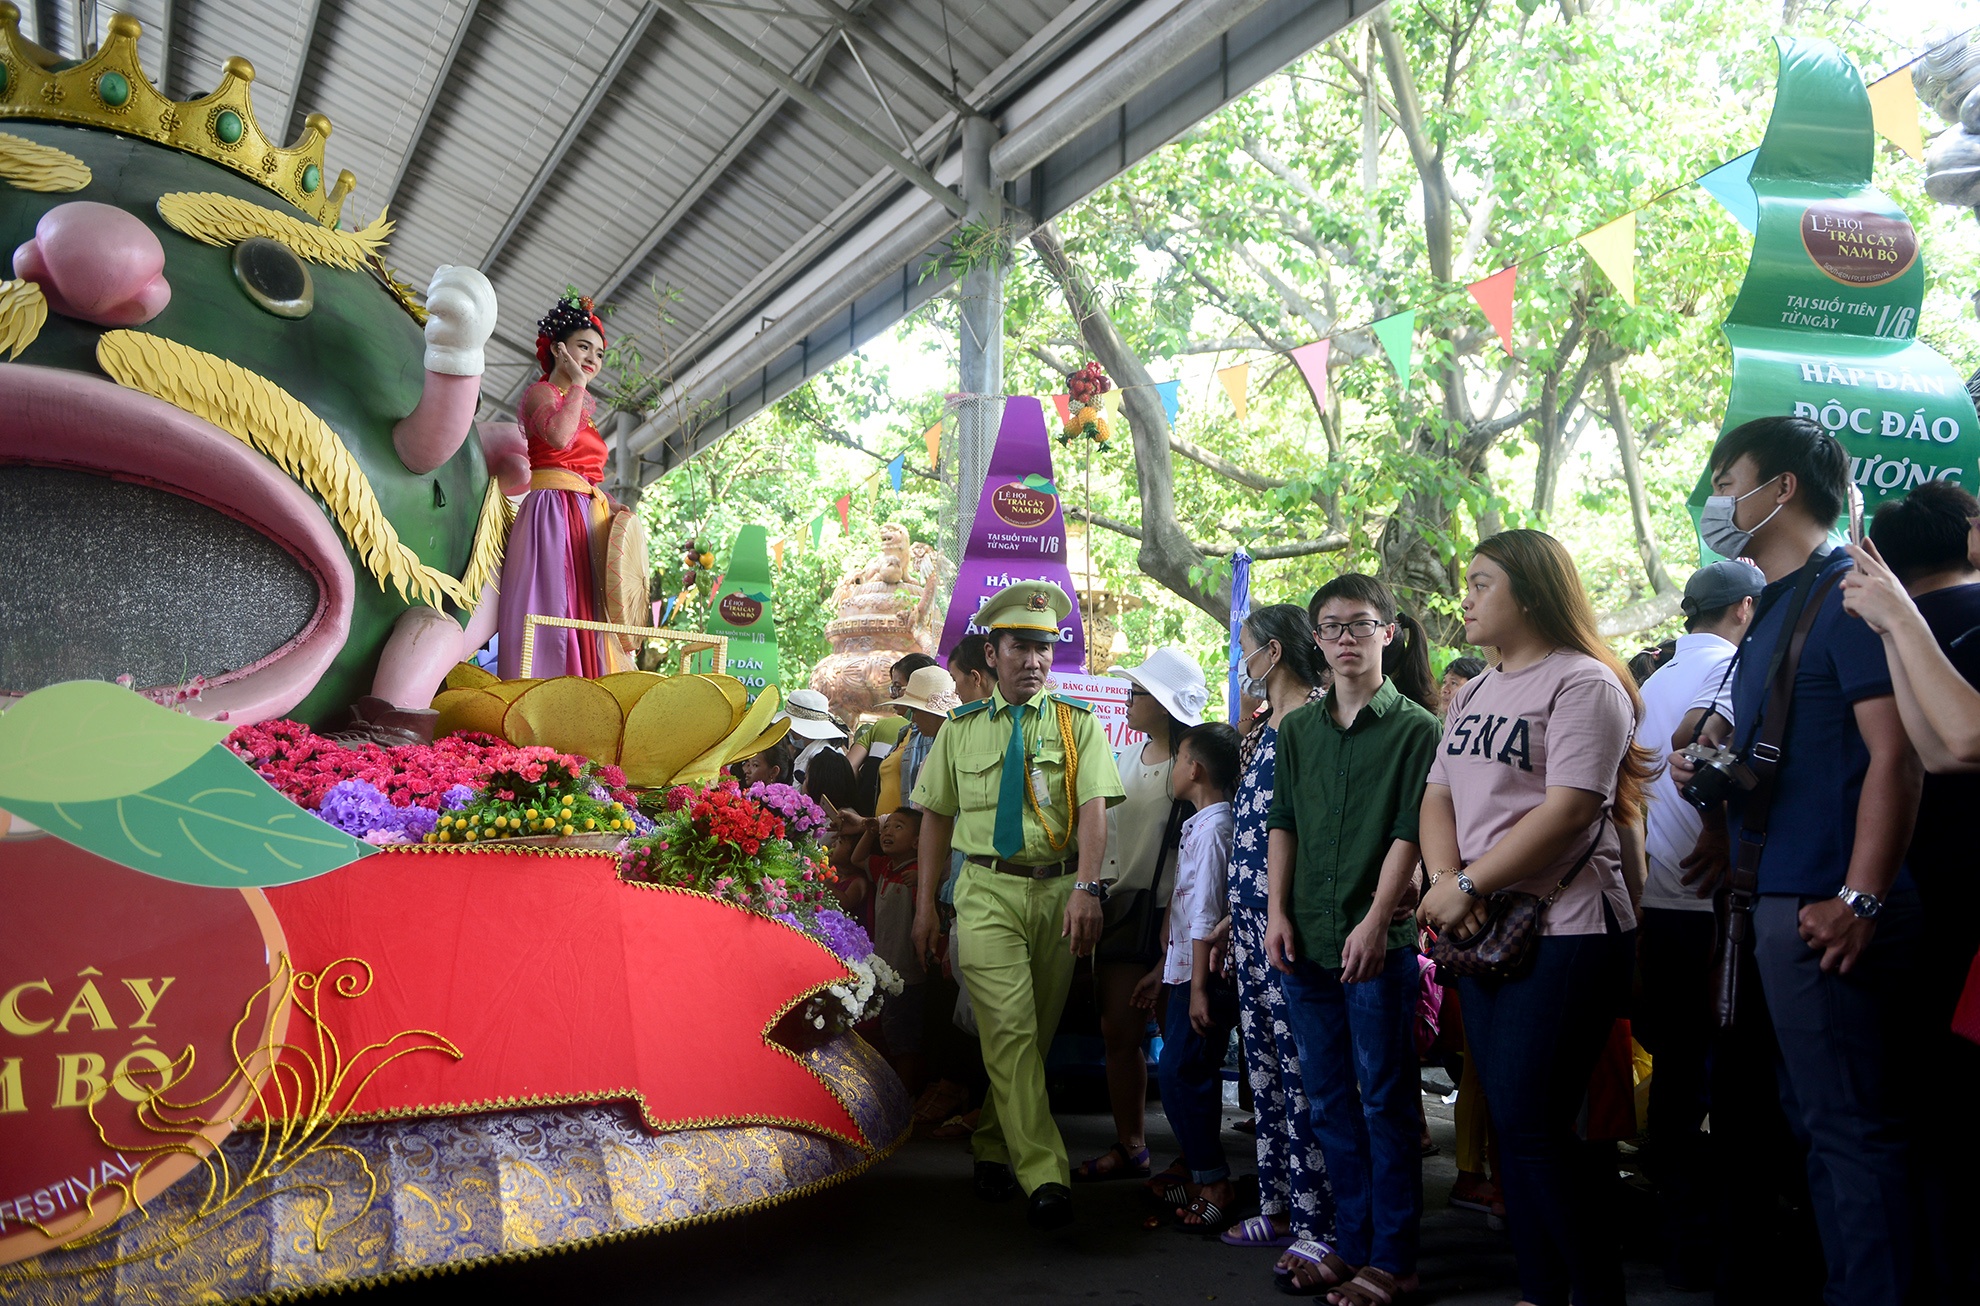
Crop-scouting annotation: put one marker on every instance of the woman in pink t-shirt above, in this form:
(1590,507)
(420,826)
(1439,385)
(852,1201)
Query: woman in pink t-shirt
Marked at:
(1535,773)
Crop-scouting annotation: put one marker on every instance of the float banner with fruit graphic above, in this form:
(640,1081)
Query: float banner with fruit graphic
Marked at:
(1826,322)
(741,611)
(1019,533)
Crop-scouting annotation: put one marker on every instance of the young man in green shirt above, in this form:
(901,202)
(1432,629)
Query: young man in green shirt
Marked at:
(1342,850)
(1019,783)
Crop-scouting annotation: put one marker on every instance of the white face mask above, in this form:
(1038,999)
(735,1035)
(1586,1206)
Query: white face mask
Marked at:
(1248,683)
(1718,529)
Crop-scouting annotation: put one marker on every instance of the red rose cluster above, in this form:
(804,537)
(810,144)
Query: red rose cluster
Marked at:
(304,766)
(728,817)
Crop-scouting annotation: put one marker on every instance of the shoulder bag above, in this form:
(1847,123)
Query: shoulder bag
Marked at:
(1502,947)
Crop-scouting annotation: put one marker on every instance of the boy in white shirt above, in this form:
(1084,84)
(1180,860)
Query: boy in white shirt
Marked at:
(1201,1006)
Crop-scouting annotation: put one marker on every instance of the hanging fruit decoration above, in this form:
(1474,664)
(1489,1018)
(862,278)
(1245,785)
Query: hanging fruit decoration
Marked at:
(1086,423)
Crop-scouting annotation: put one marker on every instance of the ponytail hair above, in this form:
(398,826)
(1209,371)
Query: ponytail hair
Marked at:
(1406,660)
(1547,587)
(1293,630)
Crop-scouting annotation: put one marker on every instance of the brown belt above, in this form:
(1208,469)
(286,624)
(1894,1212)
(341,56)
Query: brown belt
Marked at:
(1049,872)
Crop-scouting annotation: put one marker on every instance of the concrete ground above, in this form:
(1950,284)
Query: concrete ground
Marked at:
(909,1231)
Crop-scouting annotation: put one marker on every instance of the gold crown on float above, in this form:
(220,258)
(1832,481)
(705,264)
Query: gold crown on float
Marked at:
(110,90)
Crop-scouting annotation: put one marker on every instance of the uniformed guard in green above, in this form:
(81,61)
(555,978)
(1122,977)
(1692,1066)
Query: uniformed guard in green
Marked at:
(1019,783)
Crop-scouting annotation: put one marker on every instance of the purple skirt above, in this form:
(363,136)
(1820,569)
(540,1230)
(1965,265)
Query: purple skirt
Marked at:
(548,570)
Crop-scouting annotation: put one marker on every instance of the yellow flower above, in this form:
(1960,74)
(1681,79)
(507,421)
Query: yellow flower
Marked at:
(531,813)
(591,823)
(570,829)
(501,822)
(471,834)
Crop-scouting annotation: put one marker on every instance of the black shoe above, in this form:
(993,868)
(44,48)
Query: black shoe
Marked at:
(1051,1207)
(995,1182)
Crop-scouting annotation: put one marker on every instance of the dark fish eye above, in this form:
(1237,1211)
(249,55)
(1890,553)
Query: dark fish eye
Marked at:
(273,277)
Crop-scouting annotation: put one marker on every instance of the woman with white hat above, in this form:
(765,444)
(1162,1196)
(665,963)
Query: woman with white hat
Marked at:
(810,715)
(1167,697)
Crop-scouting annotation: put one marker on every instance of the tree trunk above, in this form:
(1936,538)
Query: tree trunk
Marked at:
(1166,551)
(1639,505)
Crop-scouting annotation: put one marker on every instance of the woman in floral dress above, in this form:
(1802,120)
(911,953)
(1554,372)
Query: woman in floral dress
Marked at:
(1283,666)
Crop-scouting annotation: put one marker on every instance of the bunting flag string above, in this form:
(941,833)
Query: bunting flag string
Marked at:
(818,530)
(1397,332)
(1235,380)
(894,470)
(1894,113)
(1312,361)
(1613,247)
(1110,403)
(1495,299)
(1728,184)
(1064,404)
(844,505)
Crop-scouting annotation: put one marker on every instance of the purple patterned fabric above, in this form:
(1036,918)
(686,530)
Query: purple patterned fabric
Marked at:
(546,569)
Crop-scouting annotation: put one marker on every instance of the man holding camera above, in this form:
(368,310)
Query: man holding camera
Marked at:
(1819,810)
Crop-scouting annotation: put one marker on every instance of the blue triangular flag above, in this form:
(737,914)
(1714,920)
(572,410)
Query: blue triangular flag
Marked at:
(1171,392)
(894,471)
(1728,184)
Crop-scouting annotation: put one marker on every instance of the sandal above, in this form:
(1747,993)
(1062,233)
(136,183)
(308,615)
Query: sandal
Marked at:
(1166,1191)
(1368,1287)
(1210,1218)
(1256,1231)
(1321,1257)
(1102,1168)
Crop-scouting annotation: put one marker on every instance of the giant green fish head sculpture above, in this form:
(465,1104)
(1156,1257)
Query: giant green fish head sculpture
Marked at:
(231,445)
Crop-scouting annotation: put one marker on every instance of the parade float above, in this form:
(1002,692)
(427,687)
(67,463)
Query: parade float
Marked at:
(513,968)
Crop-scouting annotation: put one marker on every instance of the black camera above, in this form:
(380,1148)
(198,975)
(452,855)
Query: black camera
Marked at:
(1717,774)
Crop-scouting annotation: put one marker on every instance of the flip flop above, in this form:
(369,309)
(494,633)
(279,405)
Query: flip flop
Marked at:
(1256,1231)
(1210,1218)
(1368,1287)
(1315,1253)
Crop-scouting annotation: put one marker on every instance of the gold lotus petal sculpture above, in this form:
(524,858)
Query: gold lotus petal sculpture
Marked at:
(467,675)
(469,709)
(629,686)
(570,714)
(673,723)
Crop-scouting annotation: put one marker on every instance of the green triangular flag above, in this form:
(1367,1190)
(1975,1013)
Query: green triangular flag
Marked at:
(1397,332)
(817,530)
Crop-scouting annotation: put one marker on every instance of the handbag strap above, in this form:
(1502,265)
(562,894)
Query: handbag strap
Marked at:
(1601,829)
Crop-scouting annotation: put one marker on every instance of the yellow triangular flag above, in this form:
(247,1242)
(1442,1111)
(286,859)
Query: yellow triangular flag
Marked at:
(1110,403)
(777,552)
(1235,380)
(1894,112)
(932,437)
(1613,247)
(873,489)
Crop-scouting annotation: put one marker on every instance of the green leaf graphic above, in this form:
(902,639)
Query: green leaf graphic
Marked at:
(1036,482)
(87,740)
(215,823)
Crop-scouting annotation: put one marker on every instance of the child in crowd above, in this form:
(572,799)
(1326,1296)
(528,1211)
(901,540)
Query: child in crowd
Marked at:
(893,873)
(1201,1005)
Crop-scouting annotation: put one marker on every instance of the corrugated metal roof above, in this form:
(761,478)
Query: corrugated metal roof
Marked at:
(693,170)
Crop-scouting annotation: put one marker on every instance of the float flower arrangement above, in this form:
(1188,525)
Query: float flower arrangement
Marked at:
(401,794)
(760,849)
(1086,422)
(543,798)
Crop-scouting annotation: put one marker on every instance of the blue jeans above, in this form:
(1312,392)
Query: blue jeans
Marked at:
(1191,1076)
(1357,1056)
(1537,1039)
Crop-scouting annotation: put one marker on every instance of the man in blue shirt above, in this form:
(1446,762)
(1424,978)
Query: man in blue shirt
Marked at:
(1837,925)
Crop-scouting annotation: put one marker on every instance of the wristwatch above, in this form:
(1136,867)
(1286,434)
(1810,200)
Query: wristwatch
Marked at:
(1865,905)
(1098,888)
(1465,886)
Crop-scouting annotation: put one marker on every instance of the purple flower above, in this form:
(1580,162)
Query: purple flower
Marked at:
(457,797)
(357,807)
(801,815)
(842,934)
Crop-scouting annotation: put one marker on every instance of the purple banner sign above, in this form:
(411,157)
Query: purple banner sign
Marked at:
(1020,532)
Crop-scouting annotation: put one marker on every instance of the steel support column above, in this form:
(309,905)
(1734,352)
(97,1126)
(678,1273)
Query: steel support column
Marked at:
(982,328)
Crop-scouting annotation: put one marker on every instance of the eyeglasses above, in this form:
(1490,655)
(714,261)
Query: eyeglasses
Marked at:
(1139,693)
(1361,629)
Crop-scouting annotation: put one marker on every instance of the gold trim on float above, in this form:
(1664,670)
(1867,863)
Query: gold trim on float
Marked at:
(23,312)
(30,165)
(214,219)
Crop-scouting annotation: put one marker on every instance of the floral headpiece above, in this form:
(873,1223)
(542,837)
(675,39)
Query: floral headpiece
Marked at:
(573,313)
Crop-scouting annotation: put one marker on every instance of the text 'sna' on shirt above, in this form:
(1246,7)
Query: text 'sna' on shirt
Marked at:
(1564,721)
(1346,794)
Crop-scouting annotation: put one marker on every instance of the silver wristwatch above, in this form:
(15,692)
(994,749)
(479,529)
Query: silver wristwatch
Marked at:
(1098,888)
(1865,905)
(1465,886)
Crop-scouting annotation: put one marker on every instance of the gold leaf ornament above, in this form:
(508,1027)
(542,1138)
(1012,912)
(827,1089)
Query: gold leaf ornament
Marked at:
(23,311)
(30,165)
(214,219)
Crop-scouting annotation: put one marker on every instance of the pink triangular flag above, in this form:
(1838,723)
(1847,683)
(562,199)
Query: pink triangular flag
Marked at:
(1065,409)
(1312,360)
(1495,296)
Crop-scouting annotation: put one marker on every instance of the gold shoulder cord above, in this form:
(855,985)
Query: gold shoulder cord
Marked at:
(1056,842)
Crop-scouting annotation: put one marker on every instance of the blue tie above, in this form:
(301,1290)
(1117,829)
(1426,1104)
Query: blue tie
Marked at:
(1008,838)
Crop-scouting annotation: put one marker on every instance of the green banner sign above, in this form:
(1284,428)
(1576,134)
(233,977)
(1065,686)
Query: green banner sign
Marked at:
(1825,321)
(742,611)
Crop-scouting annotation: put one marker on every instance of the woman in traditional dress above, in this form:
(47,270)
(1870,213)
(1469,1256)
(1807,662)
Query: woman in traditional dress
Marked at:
(555,563)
